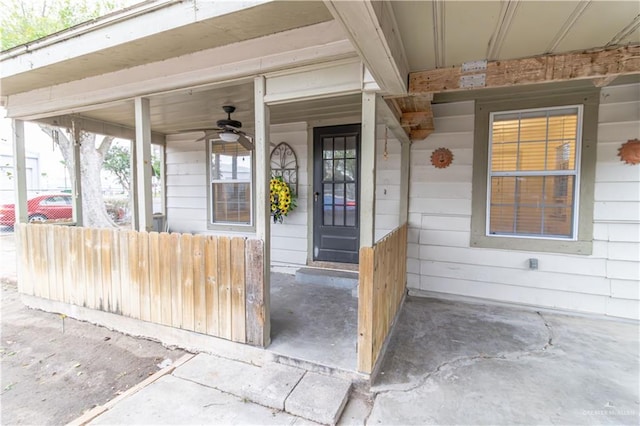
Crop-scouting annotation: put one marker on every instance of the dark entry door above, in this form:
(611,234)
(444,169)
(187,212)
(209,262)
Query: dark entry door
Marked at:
(336,228)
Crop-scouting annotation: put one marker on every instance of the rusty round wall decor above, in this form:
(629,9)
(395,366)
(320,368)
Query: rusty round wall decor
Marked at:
(441,158)
(629,152)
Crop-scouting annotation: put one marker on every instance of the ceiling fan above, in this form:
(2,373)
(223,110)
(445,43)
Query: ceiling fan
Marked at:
(228,130)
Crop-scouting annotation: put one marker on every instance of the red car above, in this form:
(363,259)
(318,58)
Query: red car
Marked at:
(49,207)
(40,208)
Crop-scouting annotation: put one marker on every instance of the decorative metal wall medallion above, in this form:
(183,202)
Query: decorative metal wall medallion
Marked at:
(629,152)
(285,163)
(441,158)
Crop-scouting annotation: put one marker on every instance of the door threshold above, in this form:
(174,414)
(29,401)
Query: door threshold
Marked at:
(338,266)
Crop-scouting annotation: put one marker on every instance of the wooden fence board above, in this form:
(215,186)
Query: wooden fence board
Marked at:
(155,291)
(165,278)
(59,251)
(96,253)
(78,275)
(188,318)
(255,297)
(211,290)
(224,287)
(42,261)
(176,281)
(134,275)
(365,309)
(143,275)
(238,309)
(125,274)
(199,286)
(90,293)
(105,269)
(115,291)
(67,265)
(51,261)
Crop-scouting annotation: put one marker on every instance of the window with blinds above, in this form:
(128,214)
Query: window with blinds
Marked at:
(231,182)
(533,172)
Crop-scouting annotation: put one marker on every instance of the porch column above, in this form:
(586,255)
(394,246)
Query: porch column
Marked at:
(405,165)
(20,172)
(263,203)
(368,170)
(143,164)
(76,187)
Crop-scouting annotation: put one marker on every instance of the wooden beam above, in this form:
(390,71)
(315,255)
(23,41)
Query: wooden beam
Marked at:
(604,81)
(420,134)
(541,69)
(411,119)
(373,30)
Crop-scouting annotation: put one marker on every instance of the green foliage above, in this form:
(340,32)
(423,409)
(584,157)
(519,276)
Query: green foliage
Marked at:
(28,20)
(118,162)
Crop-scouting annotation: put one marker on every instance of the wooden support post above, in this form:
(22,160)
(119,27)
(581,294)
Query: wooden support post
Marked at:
(19,172)
(368,170)
(76,188)
(263,203)
(143,164)
(405,165)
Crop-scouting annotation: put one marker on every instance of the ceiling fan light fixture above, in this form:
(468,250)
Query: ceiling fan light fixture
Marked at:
(229,136)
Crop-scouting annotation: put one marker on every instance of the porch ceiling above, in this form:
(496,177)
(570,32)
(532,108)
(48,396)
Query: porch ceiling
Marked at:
(201,108)
(439,34)
(170,29)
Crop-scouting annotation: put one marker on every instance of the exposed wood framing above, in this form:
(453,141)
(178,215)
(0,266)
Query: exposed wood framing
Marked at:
(415,115)
(373,30)
(541,69)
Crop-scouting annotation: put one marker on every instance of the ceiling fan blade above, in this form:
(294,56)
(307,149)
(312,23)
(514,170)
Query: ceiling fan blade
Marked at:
(245,142)
(208,134)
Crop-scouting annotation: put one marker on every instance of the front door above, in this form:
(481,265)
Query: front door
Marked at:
(336,230)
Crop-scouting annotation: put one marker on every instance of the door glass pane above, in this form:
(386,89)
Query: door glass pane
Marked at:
(351,170)
(327,203)
(339,193)
(338,170)
(338,147)
(351,147)
(328,170)
(327,148)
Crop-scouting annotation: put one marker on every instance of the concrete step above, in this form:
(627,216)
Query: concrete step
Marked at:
(310,395)
(330,278)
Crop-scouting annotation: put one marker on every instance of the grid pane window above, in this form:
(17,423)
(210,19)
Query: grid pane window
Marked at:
(231,183)
(533,173)
(340,165)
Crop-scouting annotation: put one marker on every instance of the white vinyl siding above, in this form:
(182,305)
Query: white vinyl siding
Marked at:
(387,183)
(442,263)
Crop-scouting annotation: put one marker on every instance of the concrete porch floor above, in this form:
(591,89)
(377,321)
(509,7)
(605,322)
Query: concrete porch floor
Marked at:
(460,363)
(313,323)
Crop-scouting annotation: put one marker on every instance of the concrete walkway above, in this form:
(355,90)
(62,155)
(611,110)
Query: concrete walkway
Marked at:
(448,363)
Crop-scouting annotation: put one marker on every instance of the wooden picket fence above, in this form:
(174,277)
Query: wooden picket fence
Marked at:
(382,286)
(207,284)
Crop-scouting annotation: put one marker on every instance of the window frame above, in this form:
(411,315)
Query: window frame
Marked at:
(516,173)
(582,243)
(229,226)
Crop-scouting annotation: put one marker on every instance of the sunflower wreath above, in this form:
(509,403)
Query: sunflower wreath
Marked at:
(283,200)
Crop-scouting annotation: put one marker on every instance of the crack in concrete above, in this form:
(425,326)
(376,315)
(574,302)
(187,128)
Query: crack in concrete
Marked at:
(469,360)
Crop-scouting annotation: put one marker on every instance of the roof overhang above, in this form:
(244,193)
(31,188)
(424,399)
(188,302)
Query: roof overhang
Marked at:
(152,31)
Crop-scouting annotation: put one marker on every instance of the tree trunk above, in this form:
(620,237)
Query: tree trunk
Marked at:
(94,212)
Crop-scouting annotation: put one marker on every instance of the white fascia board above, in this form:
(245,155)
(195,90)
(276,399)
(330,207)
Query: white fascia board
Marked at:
(289,49)
(373,30)
(113,30)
